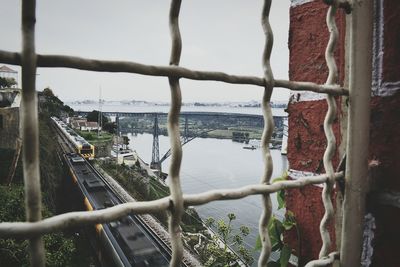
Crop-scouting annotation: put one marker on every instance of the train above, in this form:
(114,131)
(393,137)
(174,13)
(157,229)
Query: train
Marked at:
(127,239)
(126,242)
(81,146)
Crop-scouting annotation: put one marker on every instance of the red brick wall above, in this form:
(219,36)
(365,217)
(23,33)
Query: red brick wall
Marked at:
(308,39)
(307,42)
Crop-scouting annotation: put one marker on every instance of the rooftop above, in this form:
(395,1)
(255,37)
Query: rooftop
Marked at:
(7,69)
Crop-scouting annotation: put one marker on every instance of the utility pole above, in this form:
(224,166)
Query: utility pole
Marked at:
(117,124)
(99,117)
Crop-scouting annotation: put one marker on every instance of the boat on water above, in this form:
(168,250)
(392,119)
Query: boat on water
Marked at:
(249,147)
(253,147)
(253,144)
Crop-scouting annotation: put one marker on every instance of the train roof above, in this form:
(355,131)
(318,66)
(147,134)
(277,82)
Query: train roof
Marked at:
(76,138)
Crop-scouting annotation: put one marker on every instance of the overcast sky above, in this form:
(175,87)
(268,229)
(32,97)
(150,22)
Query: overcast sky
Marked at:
(218,35)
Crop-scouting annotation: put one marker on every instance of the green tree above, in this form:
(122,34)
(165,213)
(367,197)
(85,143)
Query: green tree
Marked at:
(51,104)
(7,82)
(217,254)
(110,127)
(14,252)
(94,116)
(48,92)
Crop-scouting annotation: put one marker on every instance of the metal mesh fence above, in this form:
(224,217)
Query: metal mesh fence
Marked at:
(35,227)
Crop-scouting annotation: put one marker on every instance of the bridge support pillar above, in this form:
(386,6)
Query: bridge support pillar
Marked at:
(155,157)
(156,166)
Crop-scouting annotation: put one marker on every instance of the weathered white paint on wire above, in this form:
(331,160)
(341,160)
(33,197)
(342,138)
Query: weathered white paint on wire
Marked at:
(177,208)
(328,129)
(30,130)
(176,201)
(325,261)
(58,61)
(299,2)
(73,219)
(267,133)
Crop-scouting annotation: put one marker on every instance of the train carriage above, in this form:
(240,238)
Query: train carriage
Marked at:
(81,146)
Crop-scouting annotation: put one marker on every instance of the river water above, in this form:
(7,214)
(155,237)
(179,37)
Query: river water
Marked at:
(210,163)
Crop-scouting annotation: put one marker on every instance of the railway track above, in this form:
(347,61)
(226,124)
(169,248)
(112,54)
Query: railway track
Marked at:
(156,237)
(163,244)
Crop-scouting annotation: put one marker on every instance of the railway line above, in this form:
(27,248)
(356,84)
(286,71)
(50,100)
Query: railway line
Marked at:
(130,241)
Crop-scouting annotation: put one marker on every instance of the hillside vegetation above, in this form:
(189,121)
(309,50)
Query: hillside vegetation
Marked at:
(62,248)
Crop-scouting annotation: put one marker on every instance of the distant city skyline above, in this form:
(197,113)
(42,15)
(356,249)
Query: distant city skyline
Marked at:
(139,101)
(217,36)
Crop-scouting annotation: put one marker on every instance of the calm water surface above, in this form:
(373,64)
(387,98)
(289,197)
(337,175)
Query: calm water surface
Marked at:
(210,163)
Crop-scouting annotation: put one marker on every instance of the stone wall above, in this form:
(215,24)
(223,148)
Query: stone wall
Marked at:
(9,127)
(102,149)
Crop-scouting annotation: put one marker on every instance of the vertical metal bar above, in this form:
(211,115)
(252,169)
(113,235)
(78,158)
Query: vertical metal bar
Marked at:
(174,134)
(30,129)
(360,81)
(328,129)
(267,133)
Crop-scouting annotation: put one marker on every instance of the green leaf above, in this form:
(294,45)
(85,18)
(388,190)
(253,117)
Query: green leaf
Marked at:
(289,220)
(278,179)
(279,227)
(231,216)
(288,225)
(280,195)
(244,230)
(258,245)
(237,239)
(290,216)
(285,256)
(275,230)
(283,177)
(210,221)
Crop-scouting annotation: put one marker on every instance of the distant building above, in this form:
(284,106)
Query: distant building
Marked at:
(6,72)
(10,100)
(83,125)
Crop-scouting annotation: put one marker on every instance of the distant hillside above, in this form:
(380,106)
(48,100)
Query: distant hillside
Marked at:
(51,105)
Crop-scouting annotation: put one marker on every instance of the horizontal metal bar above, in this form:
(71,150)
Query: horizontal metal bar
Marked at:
(72,219)
(58,61)
(326,261)
(344,4)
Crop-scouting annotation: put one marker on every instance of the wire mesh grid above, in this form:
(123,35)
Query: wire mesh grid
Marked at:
(35,227)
